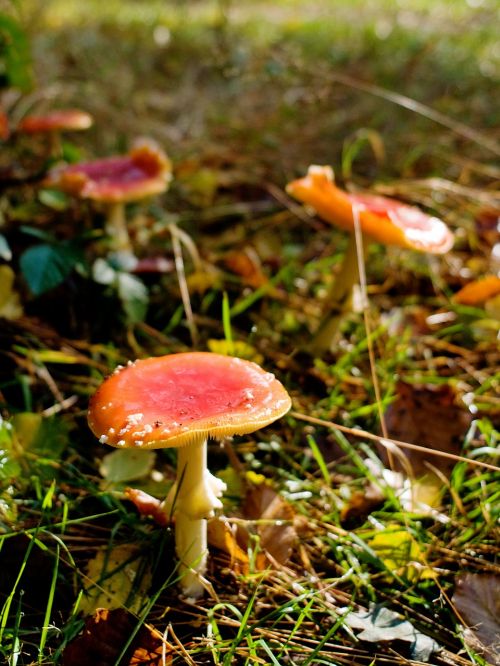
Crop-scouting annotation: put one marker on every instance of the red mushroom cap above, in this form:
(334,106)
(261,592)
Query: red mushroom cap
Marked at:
(145,171)
(385,220)
(184,398)
(65,119)
(4,126)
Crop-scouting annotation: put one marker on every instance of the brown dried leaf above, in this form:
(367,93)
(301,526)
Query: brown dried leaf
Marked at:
(477,599)
(430,416)
(105,635)
(221,536)
(276,531)
(246,264)
(360,504)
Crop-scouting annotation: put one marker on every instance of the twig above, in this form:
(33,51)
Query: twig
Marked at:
(386,441)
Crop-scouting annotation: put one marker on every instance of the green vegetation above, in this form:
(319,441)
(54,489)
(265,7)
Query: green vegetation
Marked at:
(322,542)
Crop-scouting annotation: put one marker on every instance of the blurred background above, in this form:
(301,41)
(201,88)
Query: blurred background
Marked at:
(281,83)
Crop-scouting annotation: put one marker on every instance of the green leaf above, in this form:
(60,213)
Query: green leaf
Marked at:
(48,437)
(15,53)
(102,272)
(5,251)
(54,199)
(134,297)
(127,465)
(47,266)
(9,467)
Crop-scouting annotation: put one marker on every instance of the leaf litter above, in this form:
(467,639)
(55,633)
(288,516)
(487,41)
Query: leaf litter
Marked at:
(223,200)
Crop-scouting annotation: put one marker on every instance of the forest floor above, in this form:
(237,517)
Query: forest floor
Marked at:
(337,543)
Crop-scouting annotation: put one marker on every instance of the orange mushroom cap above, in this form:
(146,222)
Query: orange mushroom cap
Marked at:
(65,119)
(184,398)
(478,291)
(145,171)
(385,220)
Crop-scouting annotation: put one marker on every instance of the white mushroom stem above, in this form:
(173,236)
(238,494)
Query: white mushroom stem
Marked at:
(116,227)
(193,498)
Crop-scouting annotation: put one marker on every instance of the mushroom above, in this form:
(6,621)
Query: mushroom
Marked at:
(52,124)
(180,400)
(478,291)
(385,220)
(4,127)
(115,181)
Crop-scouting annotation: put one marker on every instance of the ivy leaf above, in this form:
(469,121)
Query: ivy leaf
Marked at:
(379,624)
(46,266)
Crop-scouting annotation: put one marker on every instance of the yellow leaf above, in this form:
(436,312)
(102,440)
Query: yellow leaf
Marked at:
(26,426)
(111,580)
(235,348)
(401,553)
(201,281)
(221,536)
(10,304)
(54,356)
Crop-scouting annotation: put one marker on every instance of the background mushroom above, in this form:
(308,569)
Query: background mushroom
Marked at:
(382,219)
(52,124)
(115,181)
(181,400)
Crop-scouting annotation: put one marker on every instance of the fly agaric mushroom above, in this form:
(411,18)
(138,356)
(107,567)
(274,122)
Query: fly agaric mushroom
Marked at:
(115,181)
(180,400)
(52,124)
(385,220)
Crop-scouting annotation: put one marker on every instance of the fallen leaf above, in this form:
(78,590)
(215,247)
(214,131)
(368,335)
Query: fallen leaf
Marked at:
(126,465)
(274,518)
(10,302)
(381,625)
(247,265)
(431,416)
(104,637)
(401,554)
(360,504)
(200,281)
(147,505)
(221,536)
(477,599)
(111,580)
(478,291)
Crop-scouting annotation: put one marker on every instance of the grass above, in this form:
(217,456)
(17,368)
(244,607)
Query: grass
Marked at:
(243,105)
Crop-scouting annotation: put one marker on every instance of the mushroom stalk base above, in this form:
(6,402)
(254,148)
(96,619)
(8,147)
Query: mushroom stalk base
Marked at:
(193,498)
(116,228)
(338,299)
